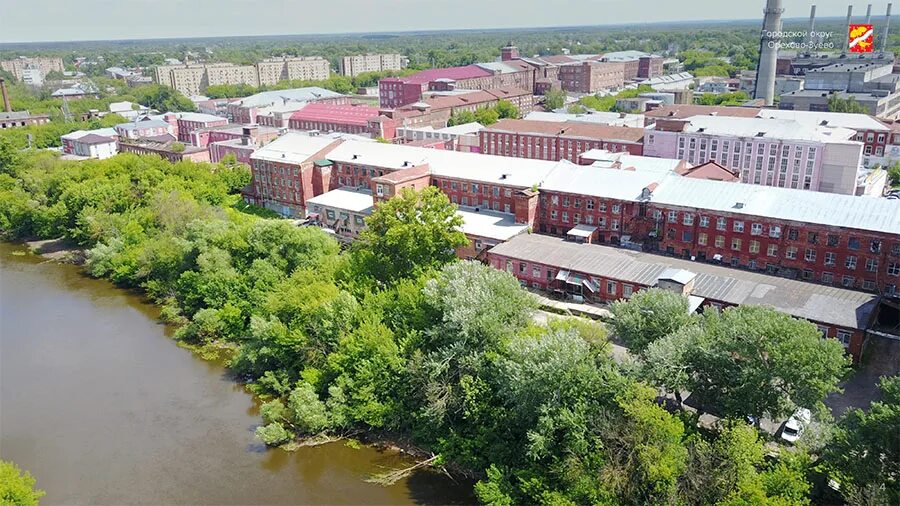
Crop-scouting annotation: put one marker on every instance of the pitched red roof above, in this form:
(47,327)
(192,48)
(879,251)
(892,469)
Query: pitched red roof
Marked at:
(710,170)
(336,113)
(455,73)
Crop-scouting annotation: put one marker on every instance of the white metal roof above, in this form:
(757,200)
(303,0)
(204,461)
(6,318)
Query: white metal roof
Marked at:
(862,213)
(769,128)
(600,182)
(516,172)
(680,276)
(582,230)
(104,132)
(601,117)
(292,148)
(830,119)
(345,199)
(490,224)
(266,98)
(605,159)
(198,117)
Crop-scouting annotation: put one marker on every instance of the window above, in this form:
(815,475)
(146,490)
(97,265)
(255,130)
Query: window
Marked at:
(850,263)
(847,281)
(736,244)
(590,204)
(844,337)
(720,241)
(756,229)
(871,265)
(522,267)
(687,236)
(720,224)
(853,243)
(627,290)
(893,269)
(553,214)
(616,208)
(565,217)
(772,251)
(833,240)
(611,287)
(509,266)
(827,278)
(774,231)
(810,255)
(791,253)
(869,285)
(875,246)
(688,219)
(830,258)
(673,216)
(754,246)
(812,237)
(793,234)
(737,226)
(536,271)
(565,201)
(704,221)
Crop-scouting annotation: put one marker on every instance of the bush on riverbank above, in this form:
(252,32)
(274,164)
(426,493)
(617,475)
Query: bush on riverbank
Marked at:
(394,334)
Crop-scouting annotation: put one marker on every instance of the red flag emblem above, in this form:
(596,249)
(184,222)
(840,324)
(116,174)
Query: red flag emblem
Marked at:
(861,38)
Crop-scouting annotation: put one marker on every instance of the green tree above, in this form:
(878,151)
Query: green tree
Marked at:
(162,98)
(753,360)
(410,234)
(306,409)
(554,99)
(487,116)
(273,434)
(461,118)
(505,109)
(838,104)
(893,174)
(17,486)
(648,316)
(864,454)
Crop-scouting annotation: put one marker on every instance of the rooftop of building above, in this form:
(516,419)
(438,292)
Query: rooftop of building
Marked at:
(625,161)
(163,143)
(455,73)
(626,55)
(144,123)
(104,132)
(570,129)
(669,78)
(601,117)
(70,92)
(96,139)
(766,128)
(199,117)
(292,147)
(710,170)
(828,119)
(354,200)
(605,182)
(116,107)
(825,304)
(849,66)
(267,98)
(15,115)
(682,111)
(801,206)
(504,67)
(358,115)
(489,224)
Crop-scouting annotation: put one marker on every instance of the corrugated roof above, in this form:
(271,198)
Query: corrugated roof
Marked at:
(358,115)
(600,182)
(862,213)
(490,224)
(347,199)
(594,131)
(292,148)
(835,306)
(267,98)
(766,128)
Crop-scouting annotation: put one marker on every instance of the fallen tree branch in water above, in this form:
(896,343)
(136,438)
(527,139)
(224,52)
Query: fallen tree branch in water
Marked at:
(395,475)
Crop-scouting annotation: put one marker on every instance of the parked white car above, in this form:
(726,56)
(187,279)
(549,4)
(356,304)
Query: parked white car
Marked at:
(795,425)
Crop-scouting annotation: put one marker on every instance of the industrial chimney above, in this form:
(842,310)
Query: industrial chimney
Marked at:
(847,28)
(812,27)
(869,14)
(7,106)
(887,28)
(769,38)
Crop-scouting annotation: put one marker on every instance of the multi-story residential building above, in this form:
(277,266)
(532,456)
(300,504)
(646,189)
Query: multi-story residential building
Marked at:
(193,79)
(21,66)
(261,135)
(546,140)
(769,152)
(638,65)
(347,118)
(592,272)
(300,68)
(592,76)
(226,73)
(352,66)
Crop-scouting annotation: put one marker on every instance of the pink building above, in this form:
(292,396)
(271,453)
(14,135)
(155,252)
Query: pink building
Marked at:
(188,122)
(146,128)
(764,151)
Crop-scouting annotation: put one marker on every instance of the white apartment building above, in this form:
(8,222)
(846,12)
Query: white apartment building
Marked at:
(354,65)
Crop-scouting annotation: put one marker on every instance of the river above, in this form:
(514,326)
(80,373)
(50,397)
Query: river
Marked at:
(102,407)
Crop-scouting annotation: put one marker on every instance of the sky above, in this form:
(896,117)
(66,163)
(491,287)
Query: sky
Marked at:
(63,20)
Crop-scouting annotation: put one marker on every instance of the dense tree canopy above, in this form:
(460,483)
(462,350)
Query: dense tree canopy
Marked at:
(17,487)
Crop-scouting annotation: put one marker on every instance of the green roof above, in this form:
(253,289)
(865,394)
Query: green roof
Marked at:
(323,162)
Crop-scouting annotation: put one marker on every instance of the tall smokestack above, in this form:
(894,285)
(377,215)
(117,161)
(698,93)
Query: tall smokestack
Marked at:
(887,28)
(7,106)
(869,14)
(847,28)
(769,39)
(812,26)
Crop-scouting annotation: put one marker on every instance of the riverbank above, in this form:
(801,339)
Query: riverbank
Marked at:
(60,250)
(103,407)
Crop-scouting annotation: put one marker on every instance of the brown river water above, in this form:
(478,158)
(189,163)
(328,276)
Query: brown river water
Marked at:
(102,407)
